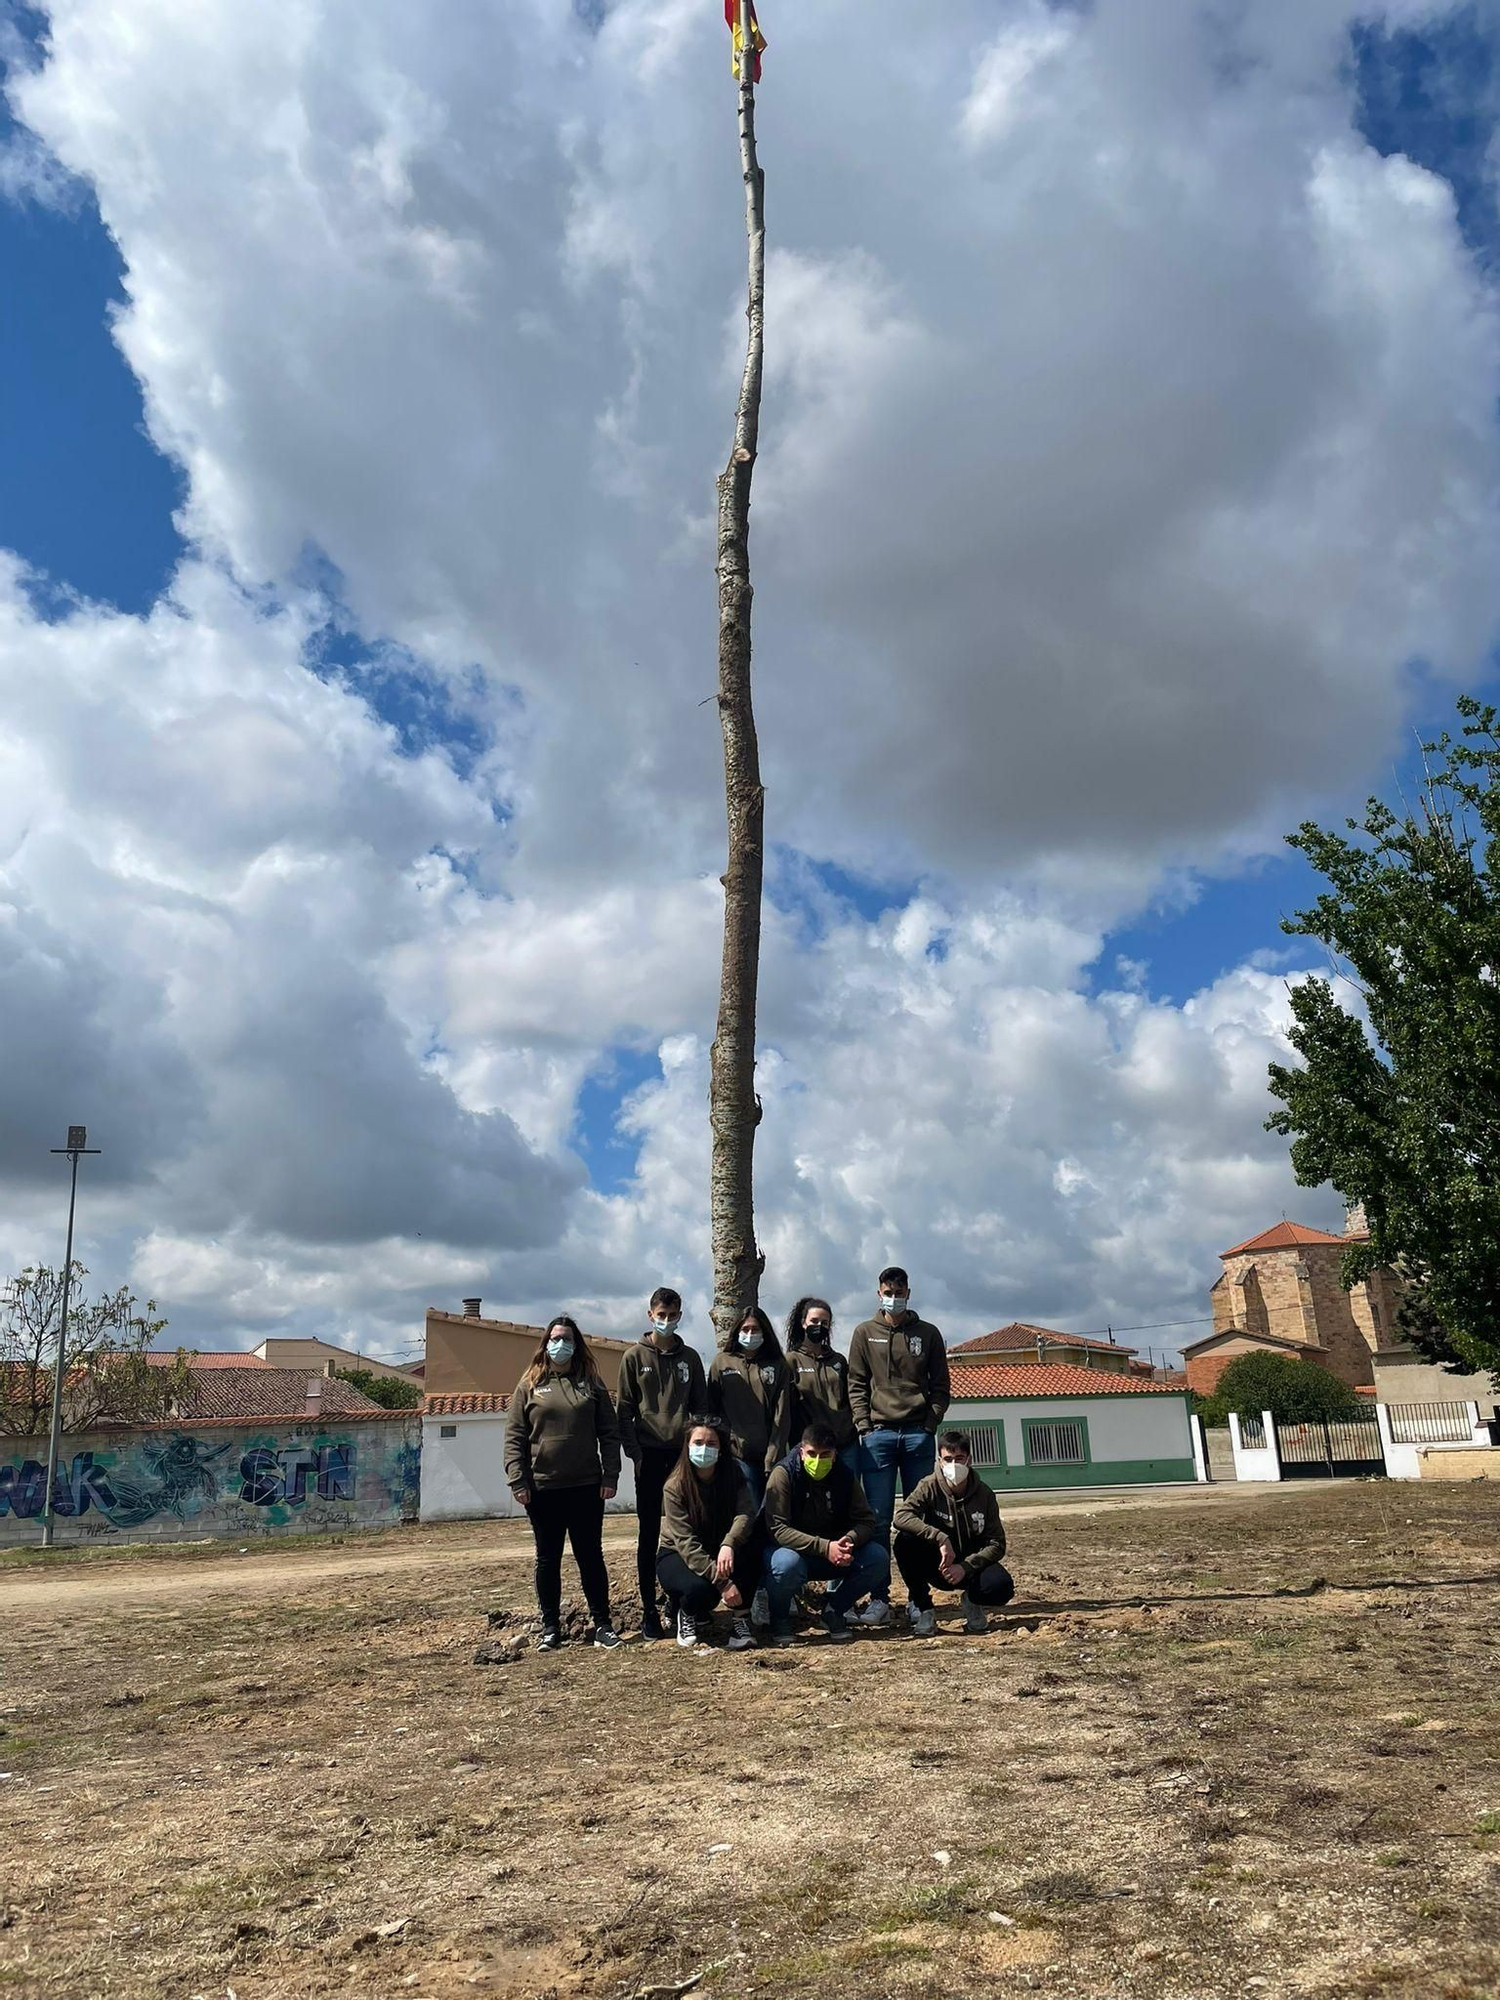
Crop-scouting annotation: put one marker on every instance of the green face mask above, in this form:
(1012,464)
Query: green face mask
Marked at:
(818,1468)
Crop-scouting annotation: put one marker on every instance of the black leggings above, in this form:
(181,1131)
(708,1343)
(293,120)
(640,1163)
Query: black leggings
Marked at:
(651,1476)
(573,1514)
(917,1560)
(687,1591)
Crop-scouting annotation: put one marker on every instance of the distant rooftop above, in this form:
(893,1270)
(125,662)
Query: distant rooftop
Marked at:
(1283,1235)
(1021,1334)
(1045,1378)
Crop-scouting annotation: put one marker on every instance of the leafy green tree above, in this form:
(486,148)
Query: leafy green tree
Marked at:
(388,1390)
(1295,1392)
(1397,1100)
(107,1380)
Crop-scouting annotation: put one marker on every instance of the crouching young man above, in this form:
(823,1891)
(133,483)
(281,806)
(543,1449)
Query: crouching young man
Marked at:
(948,1537)
(819,1524)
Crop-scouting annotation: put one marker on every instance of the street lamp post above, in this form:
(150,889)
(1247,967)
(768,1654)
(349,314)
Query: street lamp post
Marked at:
(78,1144)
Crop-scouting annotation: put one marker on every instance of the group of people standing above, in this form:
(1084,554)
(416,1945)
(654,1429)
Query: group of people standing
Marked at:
(768,1471)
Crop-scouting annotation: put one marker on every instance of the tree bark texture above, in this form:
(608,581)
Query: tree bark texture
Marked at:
(734,1109)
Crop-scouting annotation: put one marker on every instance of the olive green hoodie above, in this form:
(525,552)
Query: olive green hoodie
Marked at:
(678,1532)
(561,1431)
(967,1517)
(898,1375)
(807,1514)
(754,1397)
(661,1390)
(820,1391)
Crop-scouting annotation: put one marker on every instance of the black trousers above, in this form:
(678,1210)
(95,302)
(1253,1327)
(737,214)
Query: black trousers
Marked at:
(650,1477)
(687,1591)
(917,1559)
(573,1514)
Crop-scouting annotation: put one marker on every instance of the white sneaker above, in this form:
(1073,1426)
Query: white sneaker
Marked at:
(687,1629)
(760,1609)
(876,1612)
(741,1638)
(924,1623)
(976,1619)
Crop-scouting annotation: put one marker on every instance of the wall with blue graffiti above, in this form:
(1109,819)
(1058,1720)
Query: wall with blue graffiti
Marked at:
(189,1483)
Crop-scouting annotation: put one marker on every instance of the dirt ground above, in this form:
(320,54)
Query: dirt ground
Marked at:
(1246,1745)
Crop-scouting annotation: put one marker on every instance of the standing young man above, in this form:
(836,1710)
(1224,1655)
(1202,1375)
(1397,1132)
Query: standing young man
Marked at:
(899,1392)
(949,1537)
(661,1390)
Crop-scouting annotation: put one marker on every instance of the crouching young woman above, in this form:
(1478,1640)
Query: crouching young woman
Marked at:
(709,1541)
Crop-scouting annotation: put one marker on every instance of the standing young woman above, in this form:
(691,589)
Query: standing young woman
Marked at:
(750,1387)
(709,1546)
(562,1461)
(820,1378)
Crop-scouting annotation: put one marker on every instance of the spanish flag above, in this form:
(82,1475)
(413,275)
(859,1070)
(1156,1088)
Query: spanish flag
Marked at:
(757,39)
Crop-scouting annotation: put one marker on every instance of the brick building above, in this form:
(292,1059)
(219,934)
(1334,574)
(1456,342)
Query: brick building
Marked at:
(1022,1344)
(1280,1293)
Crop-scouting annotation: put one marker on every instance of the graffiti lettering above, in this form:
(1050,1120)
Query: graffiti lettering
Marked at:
(77,1488)
(268,1477)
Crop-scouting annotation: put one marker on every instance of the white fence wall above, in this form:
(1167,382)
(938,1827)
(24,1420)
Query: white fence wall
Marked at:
(1403,1460)
(1261,1463)
(463,1476)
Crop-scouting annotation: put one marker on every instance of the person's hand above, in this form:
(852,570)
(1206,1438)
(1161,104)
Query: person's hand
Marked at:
(724,1565)
(607,1492)
(841,1552)
(733,1597)
(523,1495)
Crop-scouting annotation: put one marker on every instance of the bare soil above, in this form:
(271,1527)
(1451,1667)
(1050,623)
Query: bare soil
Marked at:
(1242,1745)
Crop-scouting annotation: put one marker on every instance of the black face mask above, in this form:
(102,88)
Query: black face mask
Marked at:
(816,1334)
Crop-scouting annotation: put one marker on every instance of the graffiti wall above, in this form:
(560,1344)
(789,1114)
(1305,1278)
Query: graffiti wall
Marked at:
(201,1480)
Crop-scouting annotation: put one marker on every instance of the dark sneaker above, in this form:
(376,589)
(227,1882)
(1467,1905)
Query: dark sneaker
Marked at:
(550,1640)
(833,1624)
(652,1627)
(606,1636)
(742,1638)
(783,1632)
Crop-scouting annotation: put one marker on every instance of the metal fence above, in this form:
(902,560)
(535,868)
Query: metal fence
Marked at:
(1429,1423)
(1252,1434)
(1343,1450)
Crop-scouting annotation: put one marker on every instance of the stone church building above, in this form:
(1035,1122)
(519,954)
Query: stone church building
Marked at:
(1279,1293)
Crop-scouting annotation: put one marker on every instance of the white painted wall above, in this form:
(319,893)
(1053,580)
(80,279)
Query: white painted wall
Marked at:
(463,1477)
(1248,1464)
(1120,1427)
(1404,1461)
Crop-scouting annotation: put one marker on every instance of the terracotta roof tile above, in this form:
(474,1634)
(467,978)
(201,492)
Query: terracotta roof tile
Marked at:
(1020,1334)
(1282,1235)
(468,1404)
(1045,1378)
(258,1392)
(231,1358)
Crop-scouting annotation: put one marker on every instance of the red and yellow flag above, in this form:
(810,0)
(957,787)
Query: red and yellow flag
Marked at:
(757,39)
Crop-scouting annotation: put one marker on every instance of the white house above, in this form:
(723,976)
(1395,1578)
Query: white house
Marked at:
(463,1461)
(1040,1425)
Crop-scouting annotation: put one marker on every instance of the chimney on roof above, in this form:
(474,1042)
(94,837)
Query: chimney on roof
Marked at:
(314,1404)
(471,1308)
(1041,1347)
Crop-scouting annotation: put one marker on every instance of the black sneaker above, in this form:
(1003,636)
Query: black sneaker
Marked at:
(833,1624)
(550,1640)
(606,1636)
(652,1627)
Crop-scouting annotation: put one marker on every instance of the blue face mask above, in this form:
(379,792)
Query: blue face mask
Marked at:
(560,1349)
(704,1456)
(750,1343)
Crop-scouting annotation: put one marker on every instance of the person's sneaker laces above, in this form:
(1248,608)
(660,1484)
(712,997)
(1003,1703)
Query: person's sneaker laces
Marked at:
(833,1624)
(606,1636)
(741,1638)
(876,1612)
(760,1609)
(687,1629)
(924,1623)
(976,1619)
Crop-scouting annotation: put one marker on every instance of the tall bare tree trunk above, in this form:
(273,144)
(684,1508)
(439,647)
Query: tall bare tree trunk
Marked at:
(734,1108)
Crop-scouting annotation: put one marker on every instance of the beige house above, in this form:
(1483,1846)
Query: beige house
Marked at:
(321,1355)
(469,1355)
(1021,1344)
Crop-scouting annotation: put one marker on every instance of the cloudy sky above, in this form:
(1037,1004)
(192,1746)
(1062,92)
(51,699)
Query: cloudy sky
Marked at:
(1129,493)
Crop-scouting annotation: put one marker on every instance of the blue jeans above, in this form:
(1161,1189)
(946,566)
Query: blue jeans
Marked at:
(884,1453)
(849,1458)
(787,1572)
(755,1479)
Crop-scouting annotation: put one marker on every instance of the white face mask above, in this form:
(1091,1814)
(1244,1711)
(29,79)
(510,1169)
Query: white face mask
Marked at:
(954,1473)
(664,1329)
(890,1305)
(750,1343)
(560,1349)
